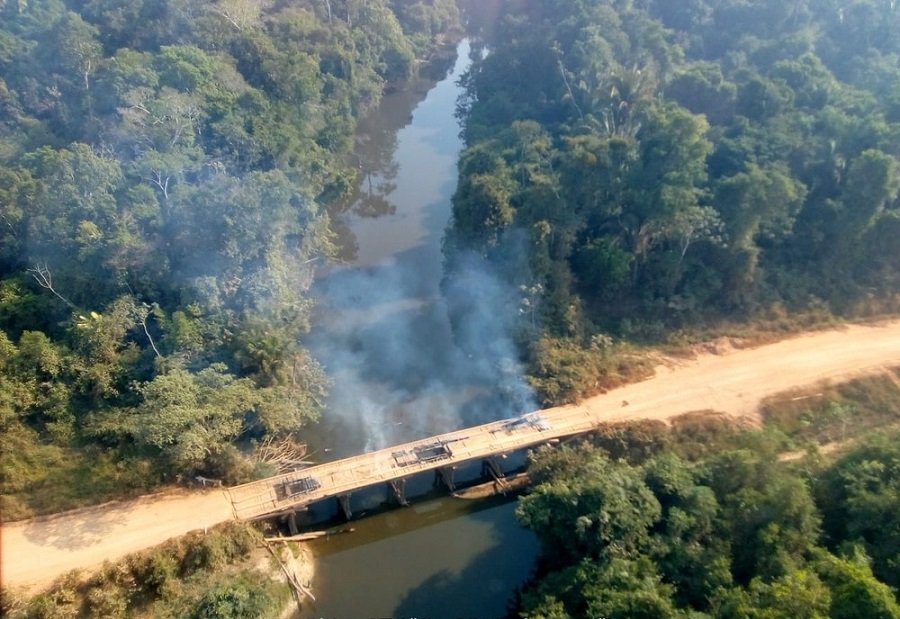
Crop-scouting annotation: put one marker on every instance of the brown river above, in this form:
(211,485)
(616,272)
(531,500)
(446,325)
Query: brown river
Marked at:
(383,335)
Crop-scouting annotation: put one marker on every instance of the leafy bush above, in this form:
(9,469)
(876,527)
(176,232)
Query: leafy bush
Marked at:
(235,598)
(107,603)
(563,371)
(154,571)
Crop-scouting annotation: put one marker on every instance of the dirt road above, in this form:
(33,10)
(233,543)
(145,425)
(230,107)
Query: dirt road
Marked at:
(736,381)
(34,552)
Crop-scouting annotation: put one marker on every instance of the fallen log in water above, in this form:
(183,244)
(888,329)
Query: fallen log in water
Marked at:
(297,589)
(306,537)
(302,537)
(512,483)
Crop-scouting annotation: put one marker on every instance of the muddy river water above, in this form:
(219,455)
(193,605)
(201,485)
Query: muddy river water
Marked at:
(383,335)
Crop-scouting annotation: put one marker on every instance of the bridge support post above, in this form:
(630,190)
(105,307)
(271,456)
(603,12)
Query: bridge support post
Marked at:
(446,476)
(398,489)
(292,523)
(344,503)
(492,467)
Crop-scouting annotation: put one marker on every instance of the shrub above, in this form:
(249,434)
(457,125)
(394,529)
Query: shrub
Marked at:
(634,441)
(11,603)
(239,598)
(204,552)
(107,602)
(154,571)
(239,540)
(563,371)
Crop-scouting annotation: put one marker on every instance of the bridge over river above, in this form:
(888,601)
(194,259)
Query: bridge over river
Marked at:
(393,465)
(733,381)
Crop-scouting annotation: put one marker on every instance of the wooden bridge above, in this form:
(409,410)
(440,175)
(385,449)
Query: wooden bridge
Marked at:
(442,453)
(736,383)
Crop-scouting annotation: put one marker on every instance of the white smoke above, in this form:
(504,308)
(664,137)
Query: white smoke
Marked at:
(399,370)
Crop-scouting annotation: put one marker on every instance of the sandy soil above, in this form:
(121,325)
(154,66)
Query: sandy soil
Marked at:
(34,552)
(736,381)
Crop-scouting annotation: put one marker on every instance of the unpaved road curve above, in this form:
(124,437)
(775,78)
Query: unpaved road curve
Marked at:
(34,552)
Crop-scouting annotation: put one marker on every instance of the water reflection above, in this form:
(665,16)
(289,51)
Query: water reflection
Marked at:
(446,558)
(404,151)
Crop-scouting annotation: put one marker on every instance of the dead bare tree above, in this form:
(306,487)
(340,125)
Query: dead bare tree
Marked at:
(142,312)
(298,590)
(284,454)
(242,14)
(42,275)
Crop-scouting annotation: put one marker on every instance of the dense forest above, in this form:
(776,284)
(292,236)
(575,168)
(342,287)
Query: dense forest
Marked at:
(646,523)
(164,172)
(635,168)
(641,167)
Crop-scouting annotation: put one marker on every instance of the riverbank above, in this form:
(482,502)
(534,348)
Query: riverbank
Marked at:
(297,570)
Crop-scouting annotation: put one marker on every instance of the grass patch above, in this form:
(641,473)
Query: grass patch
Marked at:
(699,434)
(692,436)
(792,421)
(768,326)
(40,479)
(772,325)
(562,370)
(836,413)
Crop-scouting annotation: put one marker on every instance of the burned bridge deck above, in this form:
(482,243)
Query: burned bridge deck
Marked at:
(277,494)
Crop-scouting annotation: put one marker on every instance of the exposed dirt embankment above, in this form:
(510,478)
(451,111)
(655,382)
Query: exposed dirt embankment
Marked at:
(734,381)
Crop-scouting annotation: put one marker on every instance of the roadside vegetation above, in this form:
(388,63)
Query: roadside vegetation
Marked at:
(164,173)
(836,414)
(706,519)
(216,574)
(658,172)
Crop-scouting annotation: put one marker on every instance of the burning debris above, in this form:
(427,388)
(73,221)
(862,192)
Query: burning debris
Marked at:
(430,452)
(531,420)
(296,487)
